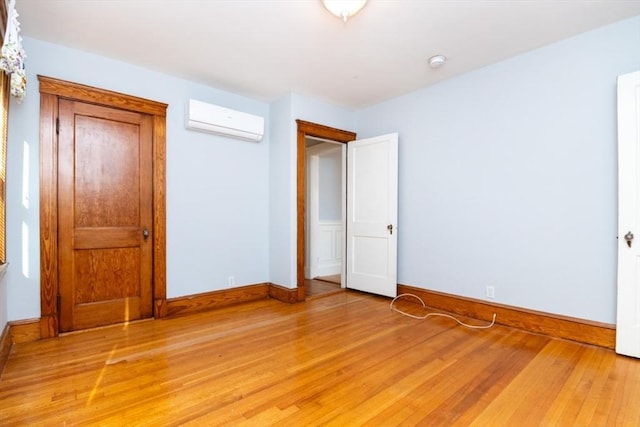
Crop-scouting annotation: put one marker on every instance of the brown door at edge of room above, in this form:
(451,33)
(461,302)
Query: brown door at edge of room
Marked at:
(104,215)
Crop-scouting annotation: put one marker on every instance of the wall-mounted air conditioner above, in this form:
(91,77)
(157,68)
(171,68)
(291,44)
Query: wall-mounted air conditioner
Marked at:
(223,121)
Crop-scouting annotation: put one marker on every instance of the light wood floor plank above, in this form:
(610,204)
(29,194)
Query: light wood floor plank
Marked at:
(343,359)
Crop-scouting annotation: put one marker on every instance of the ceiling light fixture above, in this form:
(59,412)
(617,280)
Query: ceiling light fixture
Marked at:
(437,61)
(344,9)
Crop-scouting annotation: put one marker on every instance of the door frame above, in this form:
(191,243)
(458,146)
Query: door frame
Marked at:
(51,90)
(319,131)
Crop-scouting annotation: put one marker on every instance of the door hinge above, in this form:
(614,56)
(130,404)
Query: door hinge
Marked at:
(57,125)
(58,303)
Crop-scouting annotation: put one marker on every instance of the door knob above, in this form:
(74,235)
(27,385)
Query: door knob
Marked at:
(390,228)
(145,233)
(628,238)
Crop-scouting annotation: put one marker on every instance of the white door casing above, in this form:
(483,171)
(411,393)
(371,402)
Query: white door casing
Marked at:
(343,180)
(313,208)
(628,313)
(372,213)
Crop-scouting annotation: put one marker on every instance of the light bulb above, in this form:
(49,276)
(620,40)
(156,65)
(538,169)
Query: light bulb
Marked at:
(344,8)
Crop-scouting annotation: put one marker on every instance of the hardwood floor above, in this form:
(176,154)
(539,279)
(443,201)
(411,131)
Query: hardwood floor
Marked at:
(334,278)
(344,359)
(316,287)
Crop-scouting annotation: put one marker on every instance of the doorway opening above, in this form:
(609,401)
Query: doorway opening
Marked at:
(314,131)
(325,208)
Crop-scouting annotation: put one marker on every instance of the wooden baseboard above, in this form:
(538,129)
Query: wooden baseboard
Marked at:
(210,300)
(24,330)
(5,347)
(584,331)
(33,329)
(283,294)
(17,332)
(222,298)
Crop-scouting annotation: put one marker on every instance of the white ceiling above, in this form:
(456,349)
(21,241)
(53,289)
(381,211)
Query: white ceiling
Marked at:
(265,49)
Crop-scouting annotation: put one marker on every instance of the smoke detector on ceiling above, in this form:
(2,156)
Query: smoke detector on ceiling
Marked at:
(437,61)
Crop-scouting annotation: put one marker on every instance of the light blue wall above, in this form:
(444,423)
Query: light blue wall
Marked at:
(508,176)
(330,186)
(313,110)
(283,173)
(217,188)
(282,205)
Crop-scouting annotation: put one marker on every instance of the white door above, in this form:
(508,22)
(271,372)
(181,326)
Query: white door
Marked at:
(628,322)
(372,213)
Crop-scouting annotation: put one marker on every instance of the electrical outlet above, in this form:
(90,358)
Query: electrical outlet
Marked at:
(491,292)
(232,281)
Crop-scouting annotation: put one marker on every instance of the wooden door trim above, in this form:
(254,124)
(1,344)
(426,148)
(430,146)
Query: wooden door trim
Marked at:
(306,129)
(79,92)
(51,90)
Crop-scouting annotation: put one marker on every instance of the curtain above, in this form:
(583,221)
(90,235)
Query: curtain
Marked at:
(12,54)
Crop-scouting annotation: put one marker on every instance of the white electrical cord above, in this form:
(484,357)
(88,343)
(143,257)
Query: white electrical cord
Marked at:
(391,306)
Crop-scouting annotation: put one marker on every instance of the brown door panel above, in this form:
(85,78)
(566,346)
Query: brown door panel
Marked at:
(105,206)
(107,237)
(105,313)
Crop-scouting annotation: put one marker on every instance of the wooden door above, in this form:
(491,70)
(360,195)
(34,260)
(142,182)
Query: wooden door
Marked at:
(628,315)
(105,220)
(372,214)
